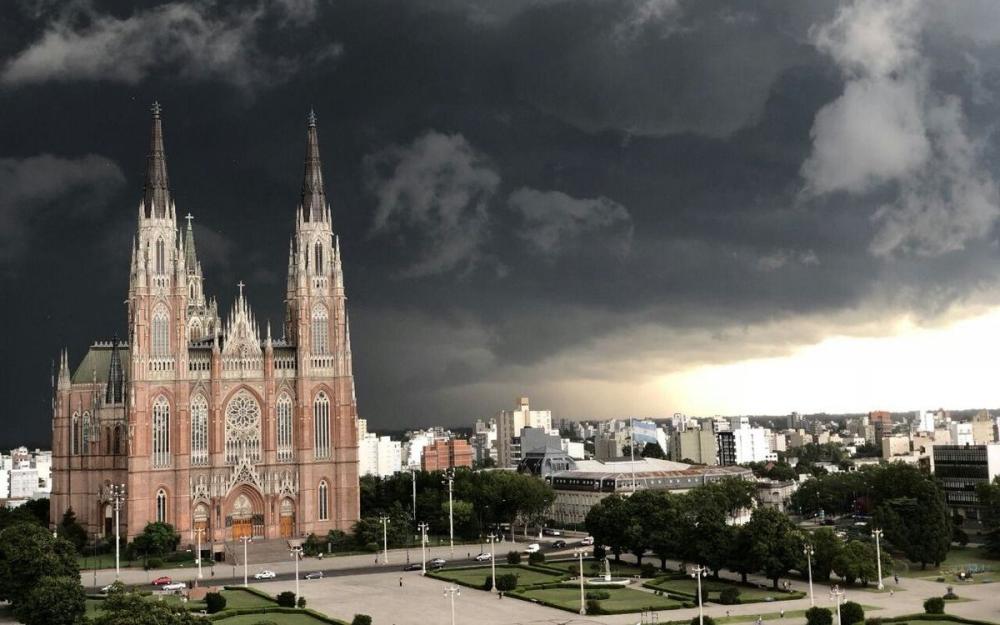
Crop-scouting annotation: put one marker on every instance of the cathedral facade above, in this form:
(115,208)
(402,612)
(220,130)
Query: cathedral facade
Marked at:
(211,425)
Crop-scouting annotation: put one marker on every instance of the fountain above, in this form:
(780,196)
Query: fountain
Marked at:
(606,579)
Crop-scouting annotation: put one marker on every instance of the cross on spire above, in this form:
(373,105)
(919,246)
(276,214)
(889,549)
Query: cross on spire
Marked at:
(241,285)
(156,109)
(189,217)
(312,118)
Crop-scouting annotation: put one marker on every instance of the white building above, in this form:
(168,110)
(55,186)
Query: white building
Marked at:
(377,455)
(25,474)
(961,434)
(752,444)
(925,421)
(511,422)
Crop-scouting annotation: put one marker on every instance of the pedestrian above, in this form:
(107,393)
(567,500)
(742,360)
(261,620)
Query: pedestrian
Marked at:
(727,613)
(759,620)
(400,582)
(781,614)
(896,578)
(376,558)
(892,592)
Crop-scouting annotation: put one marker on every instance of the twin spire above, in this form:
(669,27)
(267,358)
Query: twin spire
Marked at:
(156,189)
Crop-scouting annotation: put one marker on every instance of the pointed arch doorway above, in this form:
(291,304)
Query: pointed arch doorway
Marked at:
(245,516)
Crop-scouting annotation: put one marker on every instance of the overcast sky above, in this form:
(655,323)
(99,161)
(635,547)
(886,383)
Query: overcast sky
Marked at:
(614,206)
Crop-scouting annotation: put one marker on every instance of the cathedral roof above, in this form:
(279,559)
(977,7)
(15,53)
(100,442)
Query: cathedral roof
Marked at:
(97,362)
(156,190)
(313,194)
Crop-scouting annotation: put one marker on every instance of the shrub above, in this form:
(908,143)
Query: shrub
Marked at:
(648,570)
(286,599)
(154,563)
(301,602)
(373,547)
(819,616)
(875,620)
(506,582)
(488,583)
(597,595)
(950,595)
(934,605)
(729,596)
(600,552)
(361,619)
(513,557)
(707,619)
(594,607)
(851,612)
(536,558)
(214,602)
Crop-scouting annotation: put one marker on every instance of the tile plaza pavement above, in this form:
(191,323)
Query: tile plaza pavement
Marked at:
(421,602)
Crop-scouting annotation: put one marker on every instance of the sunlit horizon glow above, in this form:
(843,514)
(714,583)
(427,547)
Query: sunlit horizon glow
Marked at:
(915,369)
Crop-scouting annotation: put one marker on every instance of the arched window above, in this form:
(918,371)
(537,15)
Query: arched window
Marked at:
(283,408)
(242,428)
(119,432)
(324,501)
(199,430)
(161,332)
(85,432)
(161,433)
(74,434)
(195,332)
(319,257)
(320,331)
(321,425)
(161,260)
(161,506)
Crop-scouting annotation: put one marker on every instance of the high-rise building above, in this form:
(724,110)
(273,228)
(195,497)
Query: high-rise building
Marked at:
(446,454)
(962,434)
(209,426)
(696,446)
(961,468)
(509,426)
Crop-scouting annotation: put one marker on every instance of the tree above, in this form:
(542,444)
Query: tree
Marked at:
(989,499)
(156,540)
(607,521)
(71,530)
(826,548)
(129,608)
(506,582)
(653,450)
(286,599)
(775,543)
(819,616)
(53,601)
(214,602)
(705,536)
(741,557)
(934,605)
(514,557)
(361,619)
(28,552)
(851,613)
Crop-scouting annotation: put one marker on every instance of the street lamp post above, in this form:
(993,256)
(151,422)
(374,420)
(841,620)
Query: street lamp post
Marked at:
(838,596)
(450,478)
(579,553)
(295,552)
(878,555)
(413,483)
(385,538)
(118,496)
(698,572)
(423,548)
(198,531)
(492,538)
(245,539)
(452,592)
(809,551)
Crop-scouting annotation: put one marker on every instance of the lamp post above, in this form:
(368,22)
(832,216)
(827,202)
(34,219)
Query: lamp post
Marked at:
(809,551)
(413,483)
(579,553)
(878,555)
(698,572)
(118,496)
(837,595)
(245,540)
(423,548)
(385,538)
(452,592)
(450,478)
(294,552)
(492,538)
(198,531)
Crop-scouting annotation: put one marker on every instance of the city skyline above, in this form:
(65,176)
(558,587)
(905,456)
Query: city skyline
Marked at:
(585,221)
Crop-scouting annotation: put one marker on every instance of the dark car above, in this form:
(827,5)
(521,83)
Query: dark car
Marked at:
(315,575)
(558,544)
(413,566)
(829,522)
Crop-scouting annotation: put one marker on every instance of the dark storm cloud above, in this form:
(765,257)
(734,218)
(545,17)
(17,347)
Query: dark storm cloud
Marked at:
(538,196)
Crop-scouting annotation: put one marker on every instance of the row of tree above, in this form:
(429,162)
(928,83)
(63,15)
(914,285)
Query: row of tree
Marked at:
(700,527)
(989,499)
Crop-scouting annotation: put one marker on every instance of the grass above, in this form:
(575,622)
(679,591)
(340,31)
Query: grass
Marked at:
(622,569)
(475,576)
(107,561)
(300,618)
(748,593)
(959,559)
(622,600)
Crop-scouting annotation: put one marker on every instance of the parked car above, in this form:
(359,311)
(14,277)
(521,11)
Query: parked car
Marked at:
(559,544)
(829,521)
(265,574)
(162,581)
(107,589)
(532,548)
(174,586)
(588,540)
(413,566)
(315,575)
(548,531)
(484,557)
(437,563)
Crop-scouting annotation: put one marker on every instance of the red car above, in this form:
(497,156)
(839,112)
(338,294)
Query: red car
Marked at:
(162,581)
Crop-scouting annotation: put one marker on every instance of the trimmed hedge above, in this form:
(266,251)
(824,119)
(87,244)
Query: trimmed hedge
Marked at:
(934,605)
(275,610)
(934,617)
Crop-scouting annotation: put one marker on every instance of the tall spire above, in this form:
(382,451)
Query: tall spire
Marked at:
(156,192)
(190,258)
(114,393)
(313,196)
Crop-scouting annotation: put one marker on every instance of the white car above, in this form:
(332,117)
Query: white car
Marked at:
(175,586)
(589,540)
(532,548)
(436,563)
(265,574)
(484,557)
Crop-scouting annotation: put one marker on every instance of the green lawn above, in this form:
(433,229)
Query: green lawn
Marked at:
(245,599)
(622,599)
(748,594)
(593,567)
(959,559)
(277,617)
(475,576)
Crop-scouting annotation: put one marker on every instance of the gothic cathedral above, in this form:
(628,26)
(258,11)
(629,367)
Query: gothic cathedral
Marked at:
(208,426)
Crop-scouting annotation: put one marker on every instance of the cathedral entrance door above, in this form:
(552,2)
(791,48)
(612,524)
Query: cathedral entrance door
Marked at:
(241,528)
(287,519)
(242,518)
